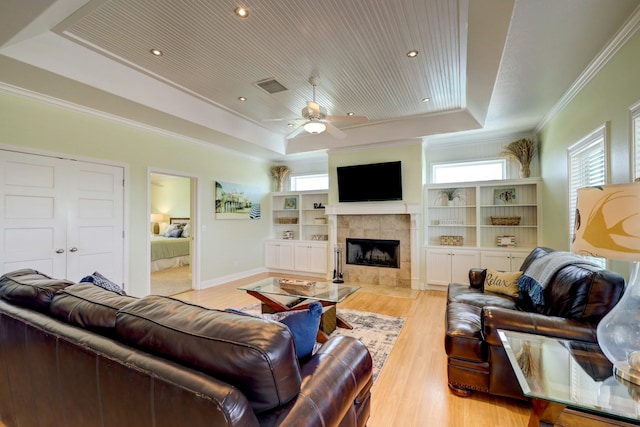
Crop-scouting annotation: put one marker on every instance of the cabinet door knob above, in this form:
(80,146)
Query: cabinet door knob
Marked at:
(60,251)
(73,249)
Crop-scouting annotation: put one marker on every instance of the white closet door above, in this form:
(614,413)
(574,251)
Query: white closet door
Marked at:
(61,217)
(32,219)
(95,222)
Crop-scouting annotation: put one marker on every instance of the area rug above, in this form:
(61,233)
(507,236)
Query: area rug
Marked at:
(378,332)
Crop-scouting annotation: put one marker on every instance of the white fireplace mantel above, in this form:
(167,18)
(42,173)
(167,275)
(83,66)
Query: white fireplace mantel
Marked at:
(372,208)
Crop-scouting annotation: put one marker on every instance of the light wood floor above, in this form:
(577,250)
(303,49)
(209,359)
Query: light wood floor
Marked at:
(412,387)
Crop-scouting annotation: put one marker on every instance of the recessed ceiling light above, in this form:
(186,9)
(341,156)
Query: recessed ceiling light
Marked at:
(241,12)
(242,98)
(412,53)
(156,52)
(350,113)
(426,99)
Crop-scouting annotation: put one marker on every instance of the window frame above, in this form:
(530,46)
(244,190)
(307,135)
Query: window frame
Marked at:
(435,166)
(294,177)
(595,142)
(634,132)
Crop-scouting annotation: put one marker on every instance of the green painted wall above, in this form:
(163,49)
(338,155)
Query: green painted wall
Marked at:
(410,154)
(606,98)
(227,247)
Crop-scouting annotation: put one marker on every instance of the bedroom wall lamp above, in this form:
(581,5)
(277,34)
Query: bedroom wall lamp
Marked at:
(608,226)
(156,219)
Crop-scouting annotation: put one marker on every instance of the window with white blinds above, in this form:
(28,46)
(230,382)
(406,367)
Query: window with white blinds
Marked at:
(635,139)
(587,167)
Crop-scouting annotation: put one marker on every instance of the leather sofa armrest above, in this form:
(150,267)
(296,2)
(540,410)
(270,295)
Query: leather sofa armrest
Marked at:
(494,318)
(476,278)
(338,376)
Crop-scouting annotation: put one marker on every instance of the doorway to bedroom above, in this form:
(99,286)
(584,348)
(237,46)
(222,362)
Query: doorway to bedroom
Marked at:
(171,230)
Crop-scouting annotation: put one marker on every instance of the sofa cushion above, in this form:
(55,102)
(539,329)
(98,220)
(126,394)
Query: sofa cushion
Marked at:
(502,282)
(30,288)
(467,295)
(255,355)
(89,306)
(303,324)
(575,292)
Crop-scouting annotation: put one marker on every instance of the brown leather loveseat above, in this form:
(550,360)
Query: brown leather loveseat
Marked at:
(78,355)
(575,300)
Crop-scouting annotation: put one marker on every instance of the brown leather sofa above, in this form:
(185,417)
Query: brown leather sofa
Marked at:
(79,355)
(574,302)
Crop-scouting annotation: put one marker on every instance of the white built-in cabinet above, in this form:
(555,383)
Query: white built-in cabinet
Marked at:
(464,226)
(502,261)
(278,255)
(299,232)
(445,266)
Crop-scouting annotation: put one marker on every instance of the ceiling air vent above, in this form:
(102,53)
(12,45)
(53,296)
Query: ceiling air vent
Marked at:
(270,86)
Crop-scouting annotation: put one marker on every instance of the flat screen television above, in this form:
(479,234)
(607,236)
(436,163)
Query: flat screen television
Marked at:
(370,183)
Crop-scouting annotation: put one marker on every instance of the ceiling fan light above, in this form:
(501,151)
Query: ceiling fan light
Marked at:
(314,127)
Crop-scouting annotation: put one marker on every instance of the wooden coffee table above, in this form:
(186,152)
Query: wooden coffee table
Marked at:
(281,299)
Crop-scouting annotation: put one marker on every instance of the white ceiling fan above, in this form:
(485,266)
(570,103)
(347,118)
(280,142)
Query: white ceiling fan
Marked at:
(315,119)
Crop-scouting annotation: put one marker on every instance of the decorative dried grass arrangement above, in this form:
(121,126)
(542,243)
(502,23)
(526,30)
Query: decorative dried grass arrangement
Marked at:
(522,150)
(280,173)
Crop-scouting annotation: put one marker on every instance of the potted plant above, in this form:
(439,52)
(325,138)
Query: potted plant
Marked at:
(448,195)
(522,150)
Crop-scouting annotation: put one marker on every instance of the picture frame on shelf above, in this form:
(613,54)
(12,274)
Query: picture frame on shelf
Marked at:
(504,196)
(506,241)
(291,203)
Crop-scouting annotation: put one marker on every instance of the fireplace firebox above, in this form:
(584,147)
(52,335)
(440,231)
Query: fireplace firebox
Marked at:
(373,252)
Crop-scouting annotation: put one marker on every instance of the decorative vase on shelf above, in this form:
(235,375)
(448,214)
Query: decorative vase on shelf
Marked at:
(525,171)
(280,173)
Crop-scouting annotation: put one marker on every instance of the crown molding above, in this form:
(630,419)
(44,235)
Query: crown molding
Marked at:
(77,108)
(625,33)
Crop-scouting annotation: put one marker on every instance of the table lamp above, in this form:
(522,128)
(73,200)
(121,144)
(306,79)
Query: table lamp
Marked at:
(608,226)
(156,219)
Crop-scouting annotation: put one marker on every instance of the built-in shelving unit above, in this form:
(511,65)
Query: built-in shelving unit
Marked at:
(487,219)
(299,232)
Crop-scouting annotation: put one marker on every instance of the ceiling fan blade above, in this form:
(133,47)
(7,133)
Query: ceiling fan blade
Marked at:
(295,132)
(334,131)
(348,119)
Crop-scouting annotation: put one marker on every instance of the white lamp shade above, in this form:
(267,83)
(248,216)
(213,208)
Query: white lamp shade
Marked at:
(608,222)
(158,218)
(314,127)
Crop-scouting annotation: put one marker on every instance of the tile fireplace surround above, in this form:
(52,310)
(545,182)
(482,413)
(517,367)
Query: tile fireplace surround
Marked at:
(397,221)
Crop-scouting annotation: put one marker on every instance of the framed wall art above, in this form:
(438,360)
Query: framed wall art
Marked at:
(291,203)
(236,201)
(504,196)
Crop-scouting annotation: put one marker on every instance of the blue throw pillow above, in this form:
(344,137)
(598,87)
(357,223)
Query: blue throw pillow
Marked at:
(99,280)
(303,324)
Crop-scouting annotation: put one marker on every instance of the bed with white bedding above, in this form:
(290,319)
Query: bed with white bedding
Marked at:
(172,249)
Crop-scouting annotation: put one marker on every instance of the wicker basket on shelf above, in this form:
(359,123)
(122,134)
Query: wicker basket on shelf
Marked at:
(451,240)
(287,220)
(505,220)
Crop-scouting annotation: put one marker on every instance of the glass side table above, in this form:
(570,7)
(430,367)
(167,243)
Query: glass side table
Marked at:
(570,382)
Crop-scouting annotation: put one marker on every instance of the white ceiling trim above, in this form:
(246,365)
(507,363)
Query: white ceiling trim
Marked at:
(617,42)
(70,106)
(64,57)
